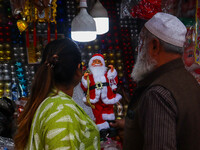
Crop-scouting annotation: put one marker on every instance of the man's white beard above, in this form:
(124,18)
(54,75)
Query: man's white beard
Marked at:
(143,66)
(98,71)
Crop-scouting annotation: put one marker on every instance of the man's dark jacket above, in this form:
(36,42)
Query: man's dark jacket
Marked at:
(186,92)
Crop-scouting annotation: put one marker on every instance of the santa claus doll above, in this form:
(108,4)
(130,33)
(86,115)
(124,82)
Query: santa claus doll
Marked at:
(189,60)
(100,86)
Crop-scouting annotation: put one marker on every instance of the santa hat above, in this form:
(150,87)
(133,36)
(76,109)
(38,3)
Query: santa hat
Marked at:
(99,57)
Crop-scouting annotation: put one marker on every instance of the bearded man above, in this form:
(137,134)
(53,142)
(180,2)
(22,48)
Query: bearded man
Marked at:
(164,111)
(102,85)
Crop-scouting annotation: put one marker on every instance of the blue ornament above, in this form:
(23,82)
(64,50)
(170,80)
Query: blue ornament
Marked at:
(20,75)
(24,94)
(19,69)
(22,81)
(23,87)
(18,64)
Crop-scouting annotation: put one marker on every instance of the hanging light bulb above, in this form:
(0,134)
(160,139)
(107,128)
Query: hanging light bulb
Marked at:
(100,16)
(83,25)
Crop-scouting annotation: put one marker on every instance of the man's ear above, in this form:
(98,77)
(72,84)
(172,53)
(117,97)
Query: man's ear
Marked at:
(154,47)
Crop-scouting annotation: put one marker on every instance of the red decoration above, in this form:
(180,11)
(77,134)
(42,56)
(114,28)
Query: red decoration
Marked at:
(48,32)
(146,9)
(27,38)
(56,32)
(34,35)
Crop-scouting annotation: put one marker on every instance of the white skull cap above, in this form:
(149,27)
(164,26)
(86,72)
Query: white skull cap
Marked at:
(167,28)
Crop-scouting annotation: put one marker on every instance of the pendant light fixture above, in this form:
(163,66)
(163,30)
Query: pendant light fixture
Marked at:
(100,15)
(83,28)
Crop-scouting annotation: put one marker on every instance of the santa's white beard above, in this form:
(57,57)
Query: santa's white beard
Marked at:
(192,69)
(143,66)
(98,71)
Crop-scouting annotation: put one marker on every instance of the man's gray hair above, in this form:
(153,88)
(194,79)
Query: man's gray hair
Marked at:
(167,46)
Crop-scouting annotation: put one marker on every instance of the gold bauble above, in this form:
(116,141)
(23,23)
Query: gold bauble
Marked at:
(22,25)
(89,47)
(1,53)
(111,55)
(120,74)
(119,61)
(1,85)
(106,62)
(118,54)
(7,53)
(1,90)
(7,46)
(8,58)
(96,47)
(1,46)
(7,84)
(119,68)
(7,90)
(112,62)
(1,59)
(104,55)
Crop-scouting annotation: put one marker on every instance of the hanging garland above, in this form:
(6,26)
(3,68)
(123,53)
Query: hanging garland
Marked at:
(197,39)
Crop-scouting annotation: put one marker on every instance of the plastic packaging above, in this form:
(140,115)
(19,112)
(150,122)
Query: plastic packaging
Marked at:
(6,143)
(143,9)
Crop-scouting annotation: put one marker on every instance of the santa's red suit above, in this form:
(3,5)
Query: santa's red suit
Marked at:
(102,96)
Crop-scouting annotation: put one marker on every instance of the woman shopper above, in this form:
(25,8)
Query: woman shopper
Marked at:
(51,119)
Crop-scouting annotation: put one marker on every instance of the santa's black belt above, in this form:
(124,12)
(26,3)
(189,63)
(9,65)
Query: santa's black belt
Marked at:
(99,85)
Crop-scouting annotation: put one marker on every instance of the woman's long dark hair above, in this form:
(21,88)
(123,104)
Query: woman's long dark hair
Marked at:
(59,62)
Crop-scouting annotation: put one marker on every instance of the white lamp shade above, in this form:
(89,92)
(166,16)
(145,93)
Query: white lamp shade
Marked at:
(100,16)
(83,27)
(83,36)
(102,24)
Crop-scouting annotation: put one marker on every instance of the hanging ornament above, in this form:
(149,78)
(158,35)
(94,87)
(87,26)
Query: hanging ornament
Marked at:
(22,25)
(197,39)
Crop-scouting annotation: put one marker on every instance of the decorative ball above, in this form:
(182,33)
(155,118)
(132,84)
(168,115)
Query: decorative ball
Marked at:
(22,54)
(89,47)
(1,46)
(14,48)
(105,55)
(120,74)
(1,53)
(112,62)
(1,85)
(7,90)
(21,48)
(90,55)
(15,54)
(6,77)
(1,91)
(119,61)
(111,55)
(7,53)
(118,54)
(7,85)
(8,58)
(96,47)
(39,31)
(7,46)
(119,68)
(106,62)
(1,59)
